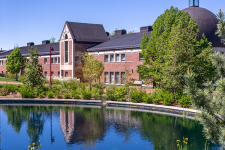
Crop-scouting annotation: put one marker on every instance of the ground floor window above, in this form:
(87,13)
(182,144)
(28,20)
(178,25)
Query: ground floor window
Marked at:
(66,74)
(106,77)
(52,73)
(45,73)
(112,77)
(117,77)
(58,73)
(122,77)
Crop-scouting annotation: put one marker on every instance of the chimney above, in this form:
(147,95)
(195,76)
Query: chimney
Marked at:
(45,42)
(120,32)
(145,29)
(30,44)
(107,33)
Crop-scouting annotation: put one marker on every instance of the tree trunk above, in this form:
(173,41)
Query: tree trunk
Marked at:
(16,77)
(89,85)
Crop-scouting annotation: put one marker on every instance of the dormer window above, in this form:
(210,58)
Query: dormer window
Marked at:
(66,37)
(194,3)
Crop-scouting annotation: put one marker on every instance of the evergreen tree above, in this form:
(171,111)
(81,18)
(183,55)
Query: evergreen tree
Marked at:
(210,100)
(221,26)
(15,62)
(172,48)
(34,71)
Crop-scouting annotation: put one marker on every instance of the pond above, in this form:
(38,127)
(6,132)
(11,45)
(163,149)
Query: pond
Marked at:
(95,127)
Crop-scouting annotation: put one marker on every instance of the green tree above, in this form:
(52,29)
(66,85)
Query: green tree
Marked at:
(92,68)
(52,40)
(15,62)
(210,101)
(130,32)
(34,70)
(221,26)
(172,49)
(112,33)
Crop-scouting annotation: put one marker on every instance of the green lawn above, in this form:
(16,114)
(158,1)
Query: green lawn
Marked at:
(8,80)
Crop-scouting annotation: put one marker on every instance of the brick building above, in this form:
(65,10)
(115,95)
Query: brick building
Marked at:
(114,51)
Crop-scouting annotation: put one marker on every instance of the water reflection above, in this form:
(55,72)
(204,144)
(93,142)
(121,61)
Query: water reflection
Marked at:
(94,127)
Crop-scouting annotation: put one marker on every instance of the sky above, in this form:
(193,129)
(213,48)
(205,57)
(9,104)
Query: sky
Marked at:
(23,21)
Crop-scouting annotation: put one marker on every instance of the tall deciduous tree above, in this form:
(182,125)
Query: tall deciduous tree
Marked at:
(15,62)
(221,26)
(34,70)
(172,49)
(92,68)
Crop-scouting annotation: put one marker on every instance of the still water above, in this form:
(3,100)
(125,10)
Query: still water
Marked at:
(95,127)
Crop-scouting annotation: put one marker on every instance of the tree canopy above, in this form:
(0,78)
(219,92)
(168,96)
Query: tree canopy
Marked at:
(173,48)
(221,26)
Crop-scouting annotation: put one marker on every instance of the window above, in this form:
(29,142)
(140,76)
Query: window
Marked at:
(111,58)
(106,77)
(191,3)
(106,58)
(112,77)
(117,57)
(117,77)
(52,61)
(0,62)
(58,73)
(141,58)
(45,60)
(222,53)
(2,71)
(66,74)
(52,73)
(196,3)
(45,73)
(66,52)
(122,77)
(66,37)
(58,60)
(122,57)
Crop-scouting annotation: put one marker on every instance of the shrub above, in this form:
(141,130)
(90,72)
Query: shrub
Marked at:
(96,93)
(41,95)
(167,98)
(157,96)
(10,88)
(147,98)
(75,95)
(121,93)
(86,94)
(66,95)
(59,96)
(110,93)
(136,95)
(22,78)
(3,94)
(26,92)
(184,101)
(56,89)
(49,94)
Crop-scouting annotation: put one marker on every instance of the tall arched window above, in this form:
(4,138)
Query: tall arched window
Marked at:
(66,37)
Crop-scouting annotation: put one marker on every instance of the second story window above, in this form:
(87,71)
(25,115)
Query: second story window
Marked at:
(111,58)
(66,52)
(52,60)
(106,58)
(122,57)
(141,58)
(58,59)
(45,60)
(117,57)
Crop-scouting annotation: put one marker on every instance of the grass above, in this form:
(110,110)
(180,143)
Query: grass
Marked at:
(8,80)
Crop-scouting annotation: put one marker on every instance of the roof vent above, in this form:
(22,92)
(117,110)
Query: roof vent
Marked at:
(107,33)
(145,29)
(30,44)
(45,42)
(120,32)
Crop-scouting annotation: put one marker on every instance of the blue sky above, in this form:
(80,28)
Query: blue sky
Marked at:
(23,21)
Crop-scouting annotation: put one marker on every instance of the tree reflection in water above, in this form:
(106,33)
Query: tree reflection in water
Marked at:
(88,126)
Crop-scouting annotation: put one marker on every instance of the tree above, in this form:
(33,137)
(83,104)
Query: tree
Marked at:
(210,100)
(172,49)
(130,32)
(112,33)
(221,26)
(34,71)
(15,62)
(92,68)
(52,40)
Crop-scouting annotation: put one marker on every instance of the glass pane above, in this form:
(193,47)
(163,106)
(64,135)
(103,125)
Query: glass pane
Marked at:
(196,2)
(66,51)
(117,58)
(191,2)
(52,73)
(112,77)
(52,61)
(117,77)
(55,60)
(106,77)
(112,58)
(122,77)
(58,73)
(58,60)
(106,58)
(123,57)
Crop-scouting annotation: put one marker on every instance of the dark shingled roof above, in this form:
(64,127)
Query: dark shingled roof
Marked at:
(42,49)
(132,40)
(207,22)
(85,32)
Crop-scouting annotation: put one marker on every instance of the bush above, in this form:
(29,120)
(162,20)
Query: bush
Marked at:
(75,95)
(157,96)
(56,89)
(66,95)
(147,98)
(41,95)
(49,94)
(3,94)
(10,88)
(136,95)
(22,78)
(86,94)
(59,96)
(10,75)
(97,93)
(110,93)
(120,93)
(184,101)
(167,98)
(26,92)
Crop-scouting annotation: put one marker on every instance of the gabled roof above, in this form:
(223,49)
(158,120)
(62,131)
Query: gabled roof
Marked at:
(42,49)
(85,32)
(132,40)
